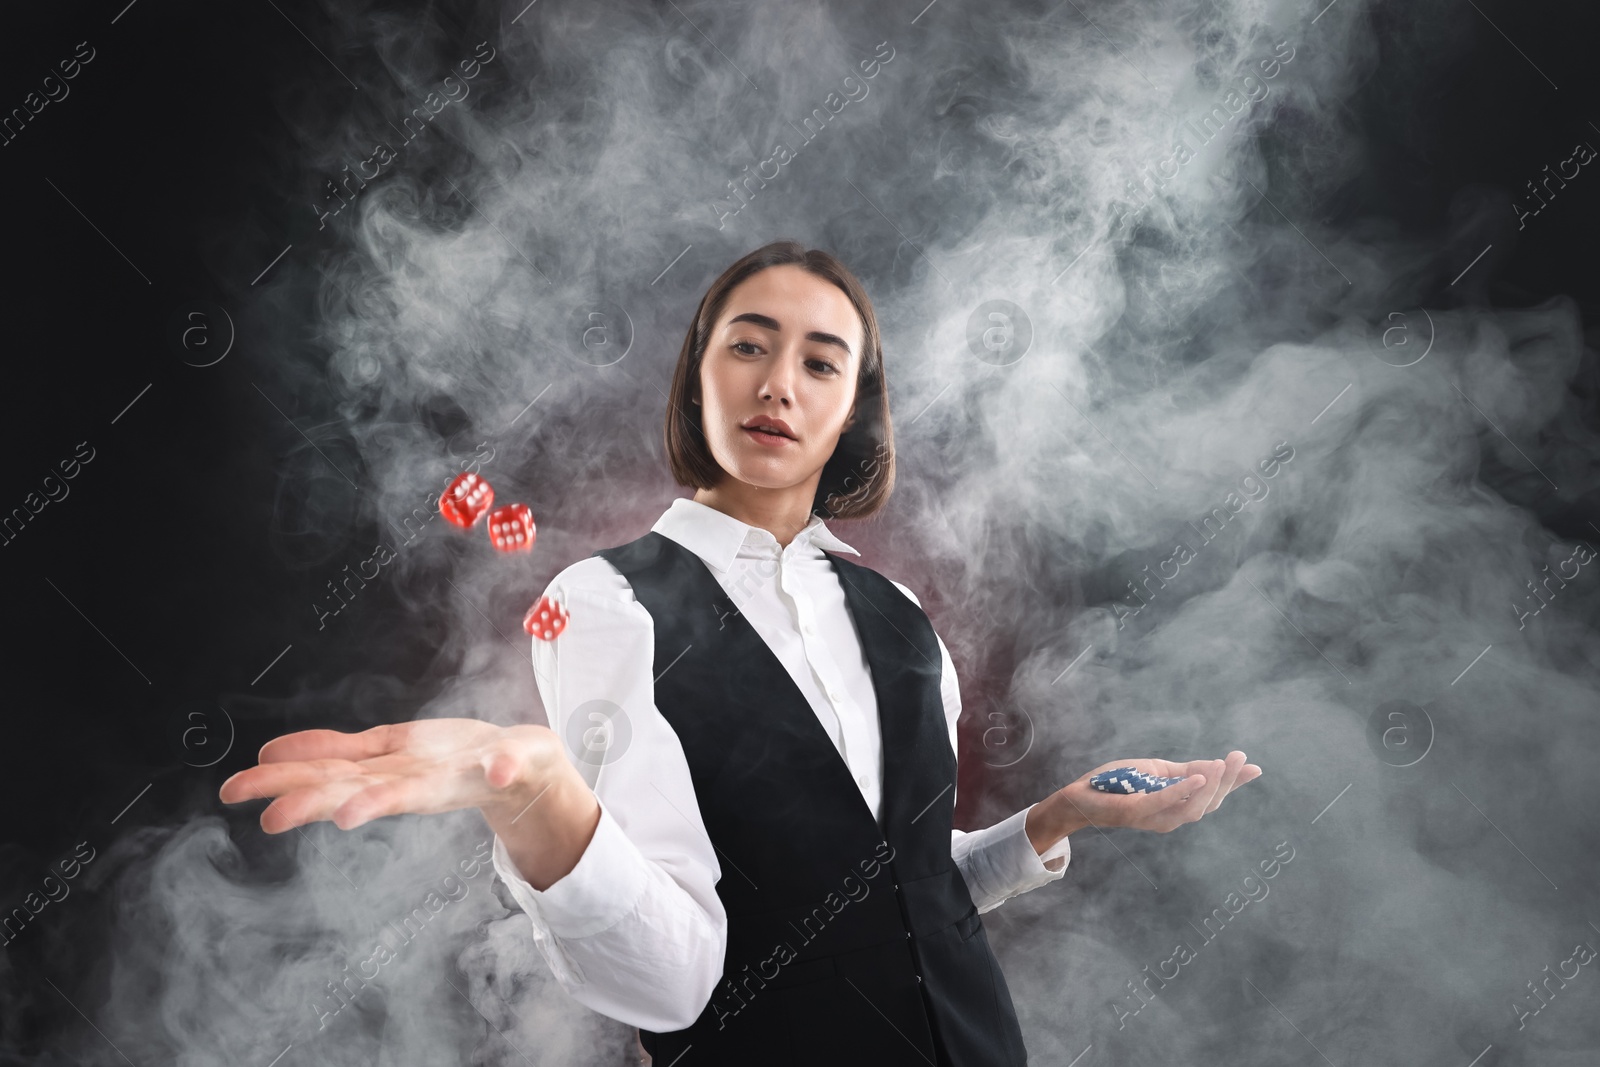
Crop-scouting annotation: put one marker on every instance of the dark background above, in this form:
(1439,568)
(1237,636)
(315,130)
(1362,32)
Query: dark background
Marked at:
(167,581)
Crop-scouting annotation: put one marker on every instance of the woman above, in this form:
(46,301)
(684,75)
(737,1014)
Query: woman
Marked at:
(759,866)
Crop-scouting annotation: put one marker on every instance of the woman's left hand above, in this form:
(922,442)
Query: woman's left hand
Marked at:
(1207,784)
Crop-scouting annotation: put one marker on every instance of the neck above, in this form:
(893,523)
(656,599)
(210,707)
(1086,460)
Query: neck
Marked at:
(781,512)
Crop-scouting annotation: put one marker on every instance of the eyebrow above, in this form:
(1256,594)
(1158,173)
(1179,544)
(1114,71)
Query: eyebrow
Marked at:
(770,323)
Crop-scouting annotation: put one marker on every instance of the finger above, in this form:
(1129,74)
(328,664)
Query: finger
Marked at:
(500,769)
(505,762)
(304,806)
(1233,766)
(427,794)
(1249,773)
(1171,769)
(334,744)
(1221,789)
(1206,794)
(276,779)
(1174,802)
(271,780)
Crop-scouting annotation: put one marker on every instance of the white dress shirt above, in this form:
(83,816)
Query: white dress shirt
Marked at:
(635,930)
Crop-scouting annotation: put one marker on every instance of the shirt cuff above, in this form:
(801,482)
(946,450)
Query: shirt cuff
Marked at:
(1016,861)
(605,884)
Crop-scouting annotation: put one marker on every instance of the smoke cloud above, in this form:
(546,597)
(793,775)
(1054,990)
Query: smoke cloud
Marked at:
(1183,467)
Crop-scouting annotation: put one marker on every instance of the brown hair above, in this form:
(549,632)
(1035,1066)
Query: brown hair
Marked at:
(858,477)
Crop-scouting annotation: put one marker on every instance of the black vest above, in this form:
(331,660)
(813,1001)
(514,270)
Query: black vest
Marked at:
(847,942)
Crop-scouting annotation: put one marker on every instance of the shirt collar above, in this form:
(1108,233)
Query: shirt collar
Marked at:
(717,537)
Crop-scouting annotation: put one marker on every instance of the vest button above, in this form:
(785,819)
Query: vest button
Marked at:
(919,979)
(908,935)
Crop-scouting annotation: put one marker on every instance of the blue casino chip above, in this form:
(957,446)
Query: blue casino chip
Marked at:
(1128,780)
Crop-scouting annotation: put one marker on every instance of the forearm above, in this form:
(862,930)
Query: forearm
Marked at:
(1052,819)
(546,833)
(622,937)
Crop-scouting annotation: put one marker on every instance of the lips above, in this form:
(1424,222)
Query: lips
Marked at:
(766,440)
(769,425)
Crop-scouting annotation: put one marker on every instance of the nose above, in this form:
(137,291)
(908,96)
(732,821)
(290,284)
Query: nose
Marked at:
(778,382)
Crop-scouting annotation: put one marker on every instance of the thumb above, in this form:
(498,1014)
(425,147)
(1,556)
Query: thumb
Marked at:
(501,767)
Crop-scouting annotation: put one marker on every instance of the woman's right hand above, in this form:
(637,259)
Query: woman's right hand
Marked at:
(422,767)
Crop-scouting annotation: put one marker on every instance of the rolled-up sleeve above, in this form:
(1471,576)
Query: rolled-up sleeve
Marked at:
(635,930)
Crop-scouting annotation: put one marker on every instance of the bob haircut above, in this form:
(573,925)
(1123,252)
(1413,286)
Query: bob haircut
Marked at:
(858,477)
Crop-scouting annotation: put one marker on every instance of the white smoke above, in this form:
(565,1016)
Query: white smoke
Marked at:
(1180,337)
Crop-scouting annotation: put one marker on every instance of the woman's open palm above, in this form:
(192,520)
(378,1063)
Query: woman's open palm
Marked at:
(422,767)
(1206,783)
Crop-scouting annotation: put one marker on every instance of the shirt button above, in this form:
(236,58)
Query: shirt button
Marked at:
(806,628)
(833,694)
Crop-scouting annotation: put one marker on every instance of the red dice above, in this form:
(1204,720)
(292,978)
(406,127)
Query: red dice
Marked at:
(466,498)
(545,619)
(511,528)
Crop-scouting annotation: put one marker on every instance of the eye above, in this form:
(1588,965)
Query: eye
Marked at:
(825,366)
(736,344)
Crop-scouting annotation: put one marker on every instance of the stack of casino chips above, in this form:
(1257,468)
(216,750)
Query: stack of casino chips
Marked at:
(1129,780)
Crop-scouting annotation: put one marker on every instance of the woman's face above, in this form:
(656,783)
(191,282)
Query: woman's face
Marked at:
(787,345)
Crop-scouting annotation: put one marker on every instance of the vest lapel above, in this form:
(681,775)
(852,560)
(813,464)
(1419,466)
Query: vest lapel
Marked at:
(919,770)
(774,793)
(900,663)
